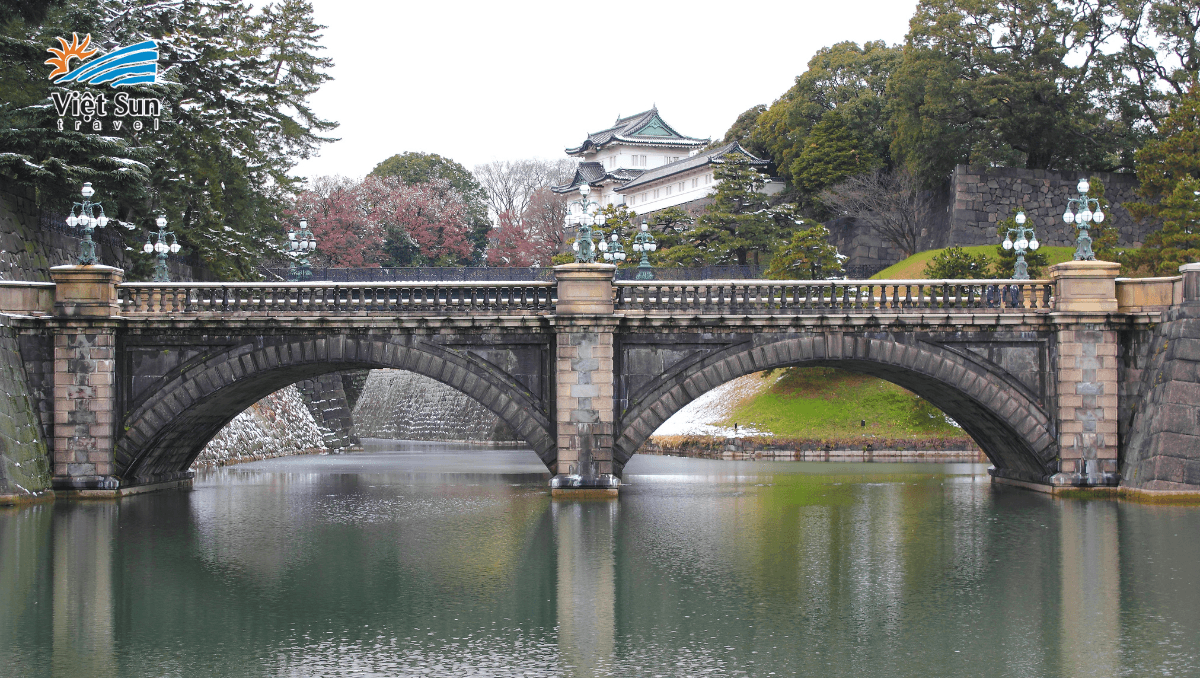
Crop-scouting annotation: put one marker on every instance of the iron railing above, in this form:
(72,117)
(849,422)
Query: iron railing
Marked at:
(724,297)
(283,299)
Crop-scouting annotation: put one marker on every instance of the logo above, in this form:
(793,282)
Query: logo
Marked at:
(132,65)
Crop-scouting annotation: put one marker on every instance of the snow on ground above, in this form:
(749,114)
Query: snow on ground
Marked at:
(698,417)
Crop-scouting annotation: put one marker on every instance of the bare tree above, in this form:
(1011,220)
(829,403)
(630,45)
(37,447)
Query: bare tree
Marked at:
(511,184)
(892,203)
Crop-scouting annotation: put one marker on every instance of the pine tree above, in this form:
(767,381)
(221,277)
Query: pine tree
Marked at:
(808,256)
(955,263)
(1166,167)
(738,225)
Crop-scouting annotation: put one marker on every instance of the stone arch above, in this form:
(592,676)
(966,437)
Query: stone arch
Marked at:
(998,412)
(165,432)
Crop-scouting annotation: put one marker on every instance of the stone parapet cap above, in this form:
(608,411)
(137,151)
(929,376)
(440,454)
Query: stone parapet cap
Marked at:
(1085,286)
(88,291)
(584,289)
(1085,269)
(1191,282)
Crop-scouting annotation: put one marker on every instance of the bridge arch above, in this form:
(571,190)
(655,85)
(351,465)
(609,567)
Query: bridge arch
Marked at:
(1002,415)
(162,434)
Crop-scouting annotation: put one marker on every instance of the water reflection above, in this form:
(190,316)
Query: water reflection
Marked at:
(445,562)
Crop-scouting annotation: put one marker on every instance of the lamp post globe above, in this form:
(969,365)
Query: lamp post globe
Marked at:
(1021,239)
(1083,211)
(161,244)
(644,244)
(83,216)
(301,244)
(584,214)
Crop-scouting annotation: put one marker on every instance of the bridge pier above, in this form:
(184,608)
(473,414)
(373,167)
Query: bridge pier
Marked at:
(1086,297)
(85,341)
(584,381)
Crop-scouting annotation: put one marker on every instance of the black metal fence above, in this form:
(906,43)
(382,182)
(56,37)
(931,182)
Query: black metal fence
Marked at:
(418,274)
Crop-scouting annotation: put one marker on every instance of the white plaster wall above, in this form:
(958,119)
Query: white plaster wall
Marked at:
(643,200)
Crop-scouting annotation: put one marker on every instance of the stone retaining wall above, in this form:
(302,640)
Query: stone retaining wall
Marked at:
(967,208)
(24,462)
(401,405)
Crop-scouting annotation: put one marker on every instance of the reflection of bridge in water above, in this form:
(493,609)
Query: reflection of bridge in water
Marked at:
(1049,377)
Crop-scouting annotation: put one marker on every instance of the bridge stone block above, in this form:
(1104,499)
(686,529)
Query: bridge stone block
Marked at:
(84,404)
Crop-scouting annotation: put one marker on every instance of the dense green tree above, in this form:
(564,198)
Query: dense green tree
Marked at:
(807,256)
(846,78)
(742,130)
(831,153)
(1015,83)
(419,168)
(955,263)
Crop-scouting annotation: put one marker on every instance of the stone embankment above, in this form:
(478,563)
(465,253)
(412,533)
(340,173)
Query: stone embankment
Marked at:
(403,405)
(278,425)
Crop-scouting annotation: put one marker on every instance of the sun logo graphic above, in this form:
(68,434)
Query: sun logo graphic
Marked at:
(132,65)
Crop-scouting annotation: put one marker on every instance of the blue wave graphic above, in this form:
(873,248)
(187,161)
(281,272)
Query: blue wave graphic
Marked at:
(135,64)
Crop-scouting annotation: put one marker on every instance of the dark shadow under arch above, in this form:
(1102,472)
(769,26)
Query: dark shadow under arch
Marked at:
(164,433)
(1007,422)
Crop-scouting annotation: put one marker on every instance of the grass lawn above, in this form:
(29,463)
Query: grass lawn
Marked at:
(826,403)
(913,268)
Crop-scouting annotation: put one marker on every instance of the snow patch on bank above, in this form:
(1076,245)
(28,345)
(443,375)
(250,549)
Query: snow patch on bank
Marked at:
(699,417)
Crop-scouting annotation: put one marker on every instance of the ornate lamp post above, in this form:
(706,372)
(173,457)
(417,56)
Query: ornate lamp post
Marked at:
(1020,239)
(87,221)
(1080,213)
(161,243)
(584,218)
(614,252)
(301,244)
(644,243)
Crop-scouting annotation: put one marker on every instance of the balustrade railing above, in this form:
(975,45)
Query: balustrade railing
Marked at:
(757,297)
(442,298)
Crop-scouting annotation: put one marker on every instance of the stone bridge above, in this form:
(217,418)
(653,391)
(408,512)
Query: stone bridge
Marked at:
(1083,380)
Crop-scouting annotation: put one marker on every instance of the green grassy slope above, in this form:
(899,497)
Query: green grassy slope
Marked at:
(823,402)
(913,268)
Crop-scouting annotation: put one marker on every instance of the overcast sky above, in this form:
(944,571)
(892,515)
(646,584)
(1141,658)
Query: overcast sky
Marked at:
(477,82)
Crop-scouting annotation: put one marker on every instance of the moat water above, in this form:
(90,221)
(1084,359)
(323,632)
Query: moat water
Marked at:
(430,560)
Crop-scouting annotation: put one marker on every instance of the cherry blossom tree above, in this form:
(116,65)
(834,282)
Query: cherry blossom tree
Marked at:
(346,232)
(384,221)
(533,239)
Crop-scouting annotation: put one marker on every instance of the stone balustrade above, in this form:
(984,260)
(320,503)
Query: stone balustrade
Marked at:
(342,299)
(724,297)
